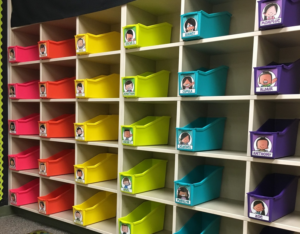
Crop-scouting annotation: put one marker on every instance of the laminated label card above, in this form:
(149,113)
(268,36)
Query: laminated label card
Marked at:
(130,36)
(81,44)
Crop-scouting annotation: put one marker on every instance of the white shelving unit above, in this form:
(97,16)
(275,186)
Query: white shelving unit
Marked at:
(244,48)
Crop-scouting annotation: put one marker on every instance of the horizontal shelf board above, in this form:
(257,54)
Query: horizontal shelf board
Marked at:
(290,161)
(154,100)
(32,172)
(109,186)
(222,154)
(106,227)
(113,144)
(111,57)
(59,100)
(164,195)
(287,97)
(278,30)
(218,98)
(26,63)
(31,137)
(65,216)
(33,207)
(25,100)
(68,178)
(64,140)
(58,59)
(156,148)
(108,100)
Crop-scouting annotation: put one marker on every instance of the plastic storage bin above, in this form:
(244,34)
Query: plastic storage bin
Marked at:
(98,87)
(61,126)
(276,138)
(99,168)
(147,218)
(203,82)
(99,207)
(139,35)
(201,223)
(200,185)
(147,84)
(276,78)
(148,175)
(100,128)
(151,130)
(24,126)
(25,194)
(18,54)
(273,198)
(26,90)
(199,24)
(278,13)
(58,164)
(90,44)
(57,89)
(59,200)
(201,134)
(24,160)
(55,49)
(272,230)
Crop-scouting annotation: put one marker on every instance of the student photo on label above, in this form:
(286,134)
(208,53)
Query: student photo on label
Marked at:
(267,79)
(11,54)
(127,135)
(42,89)
(13,198)
(263,144)
(271,11)
(190,25)
(184,138)
(80,44)
(12,91)
(80,88)
(128,86)
(125,229)
(188,82)
(43,49)
(12,127)
(183,193)
(130,35)
(42,206)
(42,168)
(42,129)
(79,174)
(79,132)
(126,184)
(259,207)
(12,163)
(78,216)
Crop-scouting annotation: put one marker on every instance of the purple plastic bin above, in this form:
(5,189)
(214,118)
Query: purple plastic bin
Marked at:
(273,198)
(278,13)
(276,138)
(277,78)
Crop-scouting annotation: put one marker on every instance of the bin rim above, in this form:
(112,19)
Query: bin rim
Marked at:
(59,159)
(217,119)
(58,119)
(83,80)
(293,121)
(24,83)
(108,194)
(63,80)
(95,35)
(148,27)
(95,123)
(56,42)
(207,14)
(148,124)
(23,47)
(151,75)
(27,190)
(273,65)
(57,197)
(30,182)
(26,118)
(37,148)
(97,164)
(97,78)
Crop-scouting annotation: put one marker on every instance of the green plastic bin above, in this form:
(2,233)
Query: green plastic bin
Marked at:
(147,218)
(139,35)
(151,130)
(147,84)
(148,175)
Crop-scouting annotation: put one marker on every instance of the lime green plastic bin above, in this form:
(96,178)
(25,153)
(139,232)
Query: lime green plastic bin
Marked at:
(151,130)
(147,218)
(147,84)
(139,35)
(148,175)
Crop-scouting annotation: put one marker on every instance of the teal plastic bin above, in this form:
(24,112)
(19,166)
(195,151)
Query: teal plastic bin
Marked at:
(199,24)
(202,223)
(202,134)
(200,185)
(203,82)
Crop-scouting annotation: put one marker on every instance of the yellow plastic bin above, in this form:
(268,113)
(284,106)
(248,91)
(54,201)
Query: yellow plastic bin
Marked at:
(148,175)
(99,168)
(151,130)
(139,35)
(99,207)
(90,44)
(147,218)
(100,128)
(98,87)
(147,84)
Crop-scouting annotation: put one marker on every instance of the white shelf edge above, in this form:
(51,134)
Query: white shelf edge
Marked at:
(85,56)
(156,47)
(58,59)
(98,100)
(25,63)
(99,143)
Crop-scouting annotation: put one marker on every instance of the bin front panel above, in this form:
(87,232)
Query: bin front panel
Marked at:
(130,36)
(129,87)
(126,183)
(187,84)
(183,194)
(125,228)
(43,166)
(262,145)
(267,80)
(43,49)
(80,132)
(127,135)
(190,26)
(271,14)
(81,44)
(185,139)
(78,216)
(43,89)
(259,208)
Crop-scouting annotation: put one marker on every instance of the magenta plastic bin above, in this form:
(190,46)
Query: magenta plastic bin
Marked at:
(27,90)
(24,126)
(273,198)
(18,54)
(278,13)
(26,160)
(25,194)
(277,78)
(276,138)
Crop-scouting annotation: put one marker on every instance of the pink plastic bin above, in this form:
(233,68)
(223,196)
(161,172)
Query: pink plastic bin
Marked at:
(27,90)
(26,160)
(18,54)
(24,126)
(25,194)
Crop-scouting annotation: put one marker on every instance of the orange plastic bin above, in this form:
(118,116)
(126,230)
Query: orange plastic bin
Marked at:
(27,90)
(18,54)
(61,126)
(59,200)
(57,89)
(24,126)
(56,49)
(58,164)
(25,160)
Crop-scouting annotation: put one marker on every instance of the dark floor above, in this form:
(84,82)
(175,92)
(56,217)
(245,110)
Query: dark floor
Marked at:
(17,225)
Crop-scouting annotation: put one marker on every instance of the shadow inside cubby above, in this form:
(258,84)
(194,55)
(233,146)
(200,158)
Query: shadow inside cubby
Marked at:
(18,145)
(55,71)
(135,111)
(236,54)
(243,12)
(26,35)
(227,225)
(26,73)
(20,110)
(53,110)
(236,125)
(254,228)
(130,203)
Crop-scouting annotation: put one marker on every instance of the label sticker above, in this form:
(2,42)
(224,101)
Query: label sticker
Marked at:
(183,194)
(125,228)
(12,54)
(262,146)
(190,26)
(12,127)
(80,89)
(78,219)
(12,91)
(267,80)
(42,207)
(187,83)
(13,198)
(79,134)
(259,208)
(271,13)
(43,91)
(130,36)
(43,49)
(129,87)
(12,163)
(185,139)
(43,130)
(81,44)
(42,168)
(127,135)
(80,176)
(126,184)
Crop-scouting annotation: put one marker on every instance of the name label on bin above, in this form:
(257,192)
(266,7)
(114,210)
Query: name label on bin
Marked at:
(13,198)
(271,13)
(127,135)
(126,184)
(80,44)
(12,163)
(183,194)
(78,217)
(43,50)
(43,130)
(80,175)
(125,228)
(185,139)
(79,134)
(267,80)
(42,207)
(262,146)
(259,208)
(42,168)
(43,91)
(12,91)
(129,87)
(12,127)
(130,36)
(12,54)
(187,83)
